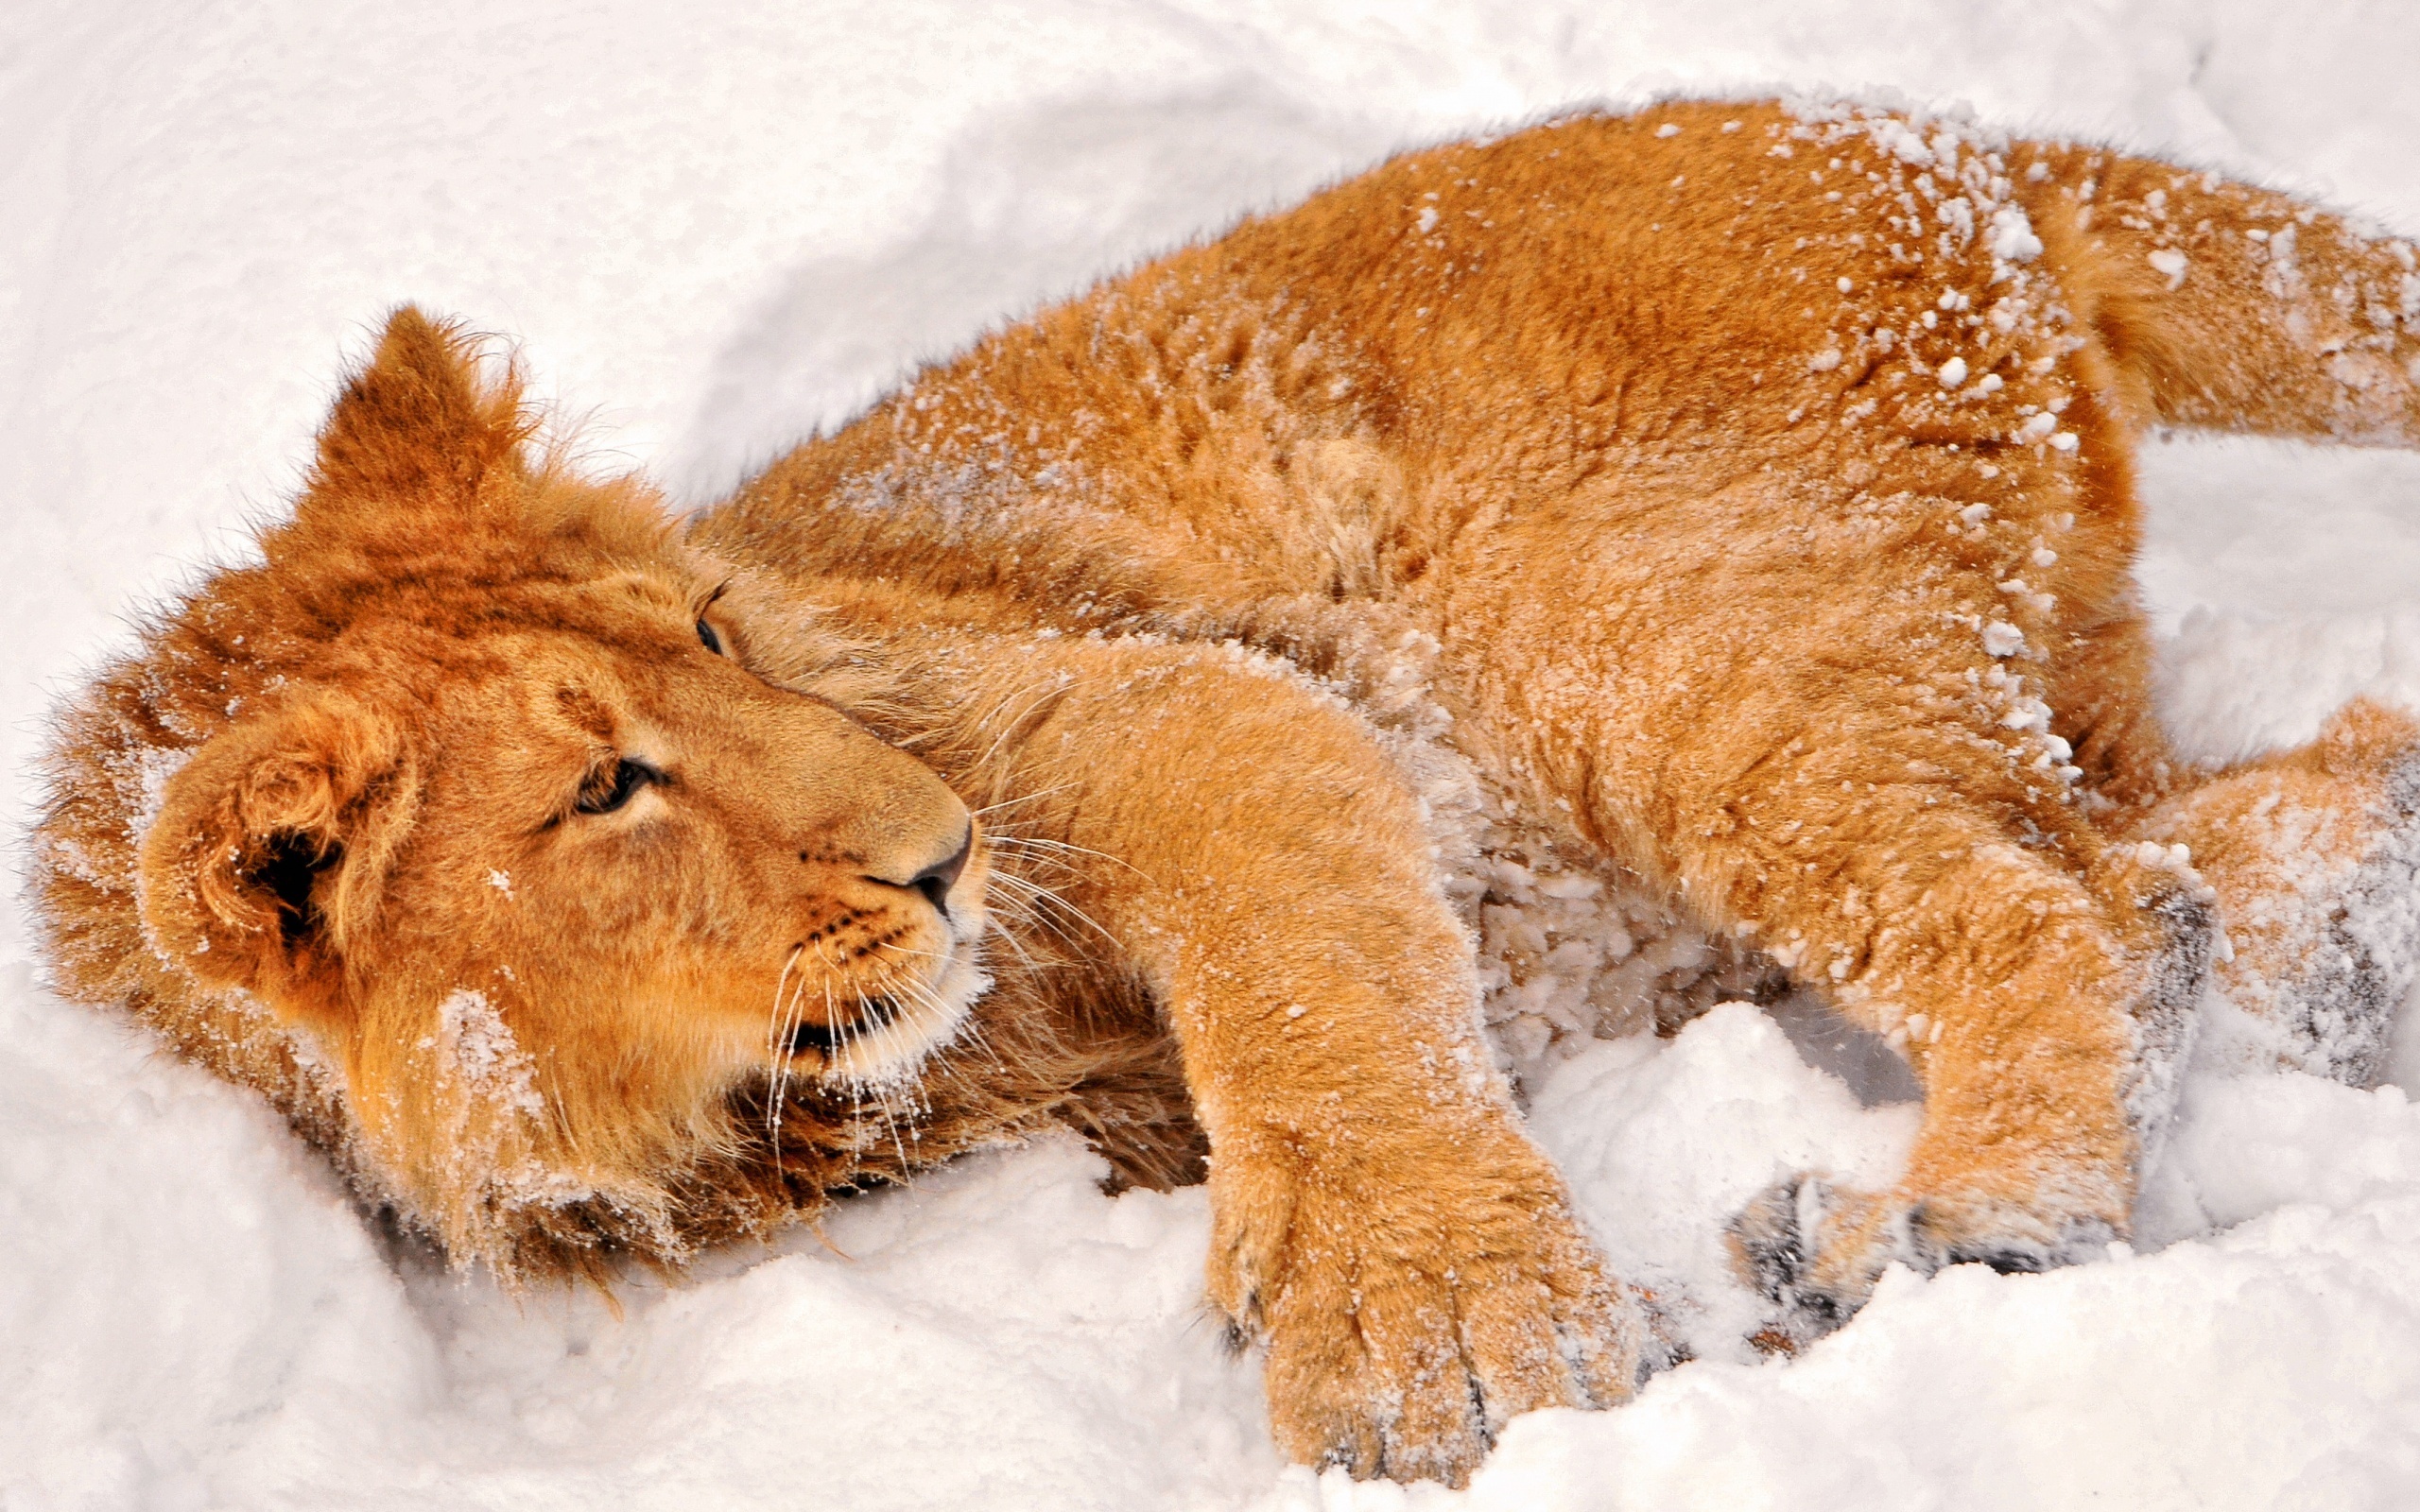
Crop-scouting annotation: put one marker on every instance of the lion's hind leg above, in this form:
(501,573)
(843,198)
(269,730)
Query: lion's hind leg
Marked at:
(2315,856)
(2036,990)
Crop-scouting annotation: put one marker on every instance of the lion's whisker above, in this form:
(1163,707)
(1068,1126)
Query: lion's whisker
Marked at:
(1039,923)
(1022,798)
(1036,842)
(980,1038)
(1055,863)
(1043,692)
(880,1086)
(1041,895)
(926,995)
(777,1046)
(1007,910)
(1023,955)
(971,1030)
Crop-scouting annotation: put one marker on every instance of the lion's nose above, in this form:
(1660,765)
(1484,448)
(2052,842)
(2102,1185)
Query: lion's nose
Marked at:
(935,881)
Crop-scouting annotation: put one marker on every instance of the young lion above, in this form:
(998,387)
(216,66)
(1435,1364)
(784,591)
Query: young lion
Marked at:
(1111,728)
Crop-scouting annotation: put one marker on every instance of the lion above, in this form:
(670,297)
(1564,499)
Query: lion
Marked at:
(1148,720)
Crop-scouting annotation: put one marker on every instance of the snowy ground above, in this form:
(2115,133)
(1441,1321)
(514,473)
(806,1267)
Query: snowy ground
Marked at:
(716,227)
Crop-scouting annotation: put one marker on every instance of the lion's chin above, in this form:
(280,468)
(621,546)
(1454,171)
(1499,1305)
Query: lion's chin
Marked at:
(893,1051)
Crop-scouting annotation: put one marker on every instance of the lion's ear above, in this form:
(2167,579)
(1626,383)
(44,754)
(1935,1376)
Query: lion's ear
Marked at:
(271,847)
(419,426)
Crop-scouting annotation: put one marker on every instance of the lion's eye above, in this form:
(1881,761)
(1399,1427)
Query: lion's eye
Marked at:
(707,637)
(614,784)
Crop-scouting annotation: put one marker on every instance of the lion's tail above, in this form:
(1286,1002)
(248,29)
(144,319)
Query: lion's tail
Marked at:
(2229,307)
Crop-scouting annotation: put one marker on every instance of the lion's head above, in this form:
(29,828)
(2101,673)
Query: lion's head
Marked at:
(478,794)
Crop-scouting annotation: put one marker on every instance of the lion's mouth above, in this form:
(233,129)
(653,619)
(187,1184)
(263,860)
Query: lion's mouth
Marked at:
(887,1037)
(873,1015)
(881,1033)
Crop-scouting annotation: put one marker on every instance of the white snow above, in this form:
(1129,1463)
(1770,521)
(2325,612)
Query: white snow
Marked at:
(2012,238)
(726,225)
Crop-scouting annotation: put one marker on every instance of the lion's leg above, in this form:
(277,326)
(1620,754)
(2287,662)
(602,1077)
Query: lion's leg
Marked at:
(2315,856)
(2022,991)
(1903,839)
(1381,1220)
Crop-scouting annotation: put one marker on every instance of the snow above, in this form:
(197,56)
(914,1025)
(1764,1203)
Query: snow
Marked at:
(727,225)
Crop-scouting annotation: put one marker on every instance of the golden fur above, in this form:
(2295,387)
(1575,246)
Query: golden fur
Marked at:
(1736,498)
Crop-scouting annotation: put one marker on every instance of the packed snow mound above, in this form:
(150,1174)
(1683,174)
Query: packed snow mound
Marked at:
(737,226)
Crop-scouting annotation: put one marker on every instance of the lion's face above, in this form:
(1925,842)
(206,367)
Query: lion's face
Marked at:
(502,817)
(674,868)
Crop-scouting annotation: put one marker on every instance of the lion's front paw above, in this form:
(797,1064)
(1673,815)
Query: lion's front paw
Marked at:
(1407,1321)
(1818,1249)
